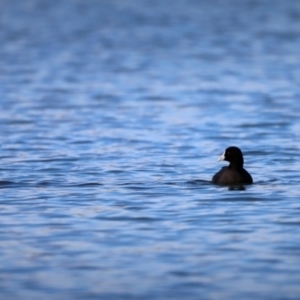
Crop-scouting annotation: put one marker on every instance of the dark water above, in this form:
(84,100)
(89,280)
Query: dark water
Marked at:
(113,114)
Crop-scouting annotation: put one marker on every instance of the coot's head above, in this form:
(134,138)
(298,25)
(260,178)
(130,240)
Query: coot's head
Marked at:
(234,155)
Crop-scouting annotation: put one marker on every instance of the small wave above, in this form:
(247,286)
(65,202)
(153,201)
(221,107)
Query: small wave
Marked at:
(4,183)
(87,184)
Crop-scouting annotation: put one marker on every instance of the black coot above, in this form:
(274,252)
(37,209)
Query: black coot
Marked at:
(234,173)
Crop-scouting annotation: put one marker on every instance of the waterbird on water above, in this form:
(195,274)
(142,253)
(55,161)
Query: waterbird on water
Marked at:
(235,172)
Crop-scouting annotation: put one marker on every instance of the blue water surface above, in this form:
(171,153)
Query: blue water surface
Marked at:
(113,114)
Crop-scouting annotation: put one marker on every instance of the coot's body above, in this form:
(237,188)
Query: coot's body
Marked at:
(234,173)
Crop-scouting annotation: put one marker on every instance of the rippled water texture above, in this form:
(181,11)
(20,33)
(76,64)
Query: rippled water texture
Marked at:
(113,114)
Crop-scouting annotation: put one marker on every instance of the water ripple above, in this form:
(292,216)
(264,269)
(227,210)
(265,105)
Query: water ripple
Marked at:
(113,117)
